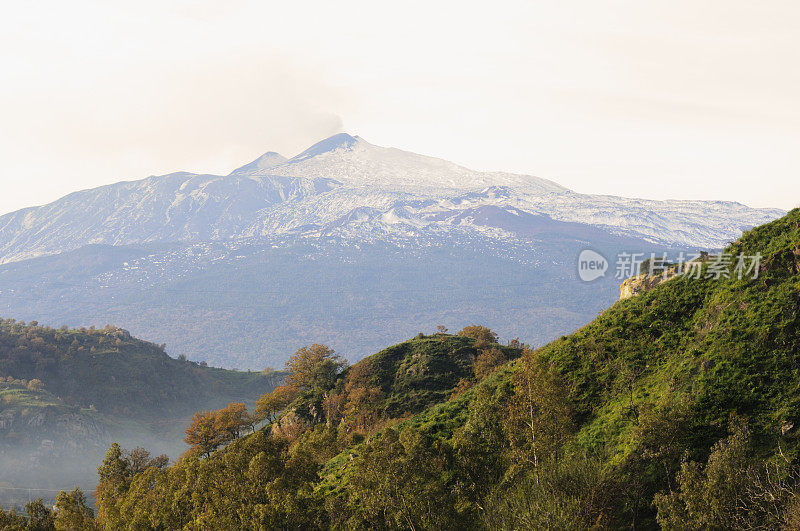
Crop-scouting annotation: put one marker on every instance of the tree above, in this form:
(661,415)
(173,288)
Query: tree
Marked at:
(73,513)
(398,482)
(334,406)
(462,385)
(628,374)
(479,333)
(663,436)
(112,474)
(203,434)
(138,460)
(480,448)
(115,474)
(11,520)
(561,494)
(230,420)
(270,404)
(710,496)
(211,429)
(40,518)
(314,367)
(516,343)
(539,416)
(487,361)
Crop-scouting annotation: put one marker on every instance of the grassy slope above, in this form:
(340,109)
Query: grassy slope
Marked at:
(23,405)
(437,413)
(19,396)
(411,376)
(724,345)
(421,372)
(721,345)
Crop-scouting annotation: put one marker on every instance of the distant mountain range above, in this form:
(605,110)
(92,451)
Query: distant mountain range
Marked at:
(334,244)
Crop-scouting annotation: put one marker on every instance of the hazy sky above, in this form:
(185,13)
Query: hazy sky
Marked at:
(658,99)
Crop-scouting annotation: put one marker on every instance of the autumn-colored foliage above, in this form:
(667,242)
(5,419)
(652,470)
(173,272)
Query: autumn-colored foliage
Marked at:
(314,366)
(202,433)
(231,419)
(35,385)
(487,361)
(211,429)
(270,404)
(479,333)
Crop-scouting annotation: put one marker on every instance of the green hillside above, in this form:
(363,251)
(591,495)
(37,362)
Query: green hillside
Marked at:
(119,375)
(400,381)
(675,409)
(65,395)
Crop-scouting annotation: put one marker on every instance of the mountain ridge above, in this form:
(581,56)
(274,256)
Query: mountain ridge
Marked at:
(275,196)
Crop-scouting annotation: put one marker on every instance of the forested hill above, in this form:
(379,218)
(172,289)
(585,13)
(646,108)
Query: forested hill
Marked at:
(116,374)
(397,382)
(65,395)
(678,408)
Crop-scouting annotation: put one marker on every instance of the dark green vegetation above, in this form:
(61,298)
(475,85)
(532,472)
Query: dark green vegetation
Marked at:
(66,394)
(27,404)
(677,408)
(117,374)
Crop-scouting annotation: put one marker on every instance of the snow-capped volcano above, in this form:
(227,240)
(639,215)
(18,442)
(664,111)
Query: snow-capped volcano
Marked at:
(322,191)
(356,163)
(347,243)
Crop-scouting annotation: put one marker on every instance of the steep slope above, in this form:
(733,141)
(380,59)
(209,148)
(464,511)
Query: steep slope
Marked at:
(175,207)
(676,407)
(728,344)
(658,376)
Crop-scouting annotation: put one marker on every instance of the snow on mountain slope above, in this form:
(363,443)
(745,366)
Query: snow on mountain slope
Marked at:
(357,163)
(265,161)
(347,187)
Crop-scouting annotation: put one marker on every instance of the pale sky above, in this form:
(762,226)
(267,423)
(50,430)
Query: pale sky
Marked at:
(694,99)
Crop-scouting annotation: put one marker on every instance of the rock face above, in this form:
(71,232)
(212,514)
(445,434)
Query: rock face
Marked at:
(635,285)
(638,284)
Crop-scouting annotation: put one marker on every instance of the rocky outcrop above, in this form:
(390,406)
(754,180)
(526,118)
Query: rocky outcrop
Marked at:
(638,284)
